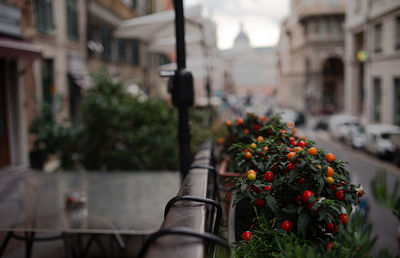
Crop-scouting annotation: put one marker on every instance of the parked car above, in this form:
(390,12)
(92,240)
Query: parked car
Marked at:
(378,139)
(395,138)
(356,136)
(291,115)
(341,125)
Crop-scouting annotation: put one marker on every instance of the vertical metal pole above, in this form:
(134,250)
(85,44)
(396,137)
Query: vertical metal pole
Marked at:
(180,34)
(183,126)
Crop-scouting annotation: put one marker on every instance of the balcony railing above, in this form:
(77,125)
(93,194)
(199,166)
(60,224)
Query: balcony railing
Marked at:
(313,8)
(191,217)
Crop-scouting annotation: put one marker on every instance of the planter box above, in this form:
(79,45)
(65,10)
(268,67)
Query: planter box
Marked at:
(227,195)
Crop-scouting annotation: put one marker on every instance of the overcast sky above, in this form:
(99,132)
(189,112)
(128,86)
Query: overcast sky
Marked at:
(261,19)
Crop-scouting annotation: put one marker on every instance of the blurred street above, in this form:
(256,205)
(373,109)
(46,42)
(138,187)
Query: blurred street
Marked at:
(363,167)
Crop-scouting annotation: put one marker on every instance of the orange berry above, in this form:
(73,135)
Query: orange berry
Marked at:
(251,175)
(313,151)
(253,146)
(330,172)
(251,171)
(329,180)
(228,123)
(220,140)
(239,121)
(260,139)
(291,155)
(296,149)
(248,155)
(330,157)
(265,148)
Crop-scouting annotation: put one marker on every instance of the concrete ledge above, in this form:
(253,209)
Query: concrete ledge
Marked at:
(186,214)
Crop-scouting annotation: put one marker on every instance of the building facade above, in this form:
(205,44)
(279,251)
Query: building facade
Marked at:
(310,67)
(19,65)
(250,70)
(127,59)
(372,81)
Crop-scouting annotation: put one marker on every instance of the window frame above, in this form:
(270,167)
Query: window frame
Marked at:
(72,12)
(378,29)
(44,18)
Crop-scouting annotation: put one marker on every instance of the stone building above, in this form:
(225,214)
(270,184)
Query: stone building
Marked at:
(19,81)
(372,81)
(249,70)
(126,59)
(310,54)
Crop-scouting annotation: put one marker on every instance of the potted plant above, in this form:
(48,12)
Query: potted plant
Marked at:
(293,187)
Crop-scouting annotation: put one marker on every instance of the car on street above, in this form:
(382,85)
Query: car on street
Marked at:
(341,125)
(378,139)
(289,115)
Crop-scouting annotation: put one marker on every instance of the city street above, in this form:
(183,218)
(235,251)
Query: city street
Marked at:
(363,168)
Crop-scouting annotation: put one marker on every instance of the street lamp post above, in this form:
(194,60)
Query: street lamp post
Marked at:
(182,90)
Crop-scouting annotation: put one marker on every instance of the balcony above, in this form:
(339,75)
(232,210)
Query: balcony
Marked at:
(310,8)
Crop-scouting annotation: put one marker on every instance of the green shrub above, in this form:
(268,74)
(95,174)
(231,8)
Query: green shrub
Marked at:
(117,131)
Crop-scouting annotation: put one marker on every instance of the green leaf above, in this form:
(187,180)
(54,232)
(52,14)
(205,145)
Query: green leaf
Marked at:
(271,202)
(304,219)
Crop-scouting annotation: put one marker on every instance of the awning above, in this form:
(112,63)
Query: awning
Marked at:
(16,49)
(160,25)
(78,72)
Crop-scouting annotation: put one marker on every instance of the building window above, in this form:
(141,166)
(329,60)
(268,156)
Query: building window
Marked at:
(397,101)
(334,3)
(397,33)
(44,15)
(378,38)
(72,19)
(48,81)
(121,51)
(106,42)
(377,99)
(134,4)
(135,53)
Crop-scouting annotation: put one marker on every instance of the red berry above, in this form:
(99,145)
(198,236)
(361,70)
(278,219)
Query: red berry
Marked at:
(256,189)
(360,193)
(260,202)
(287,226)
(344,219)
(274,168)
(269,176)
(330,227)
(69,199)
(334,187)
(247,236)
(268,188)
(302,144)
(329,246)
(290,166)
(302,181)
(306,195)
(340,195)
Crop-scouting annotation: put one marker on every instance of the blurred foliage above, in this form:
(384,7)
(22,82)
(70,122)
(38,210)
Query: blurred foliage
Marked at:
(117,131)
(381,194)
(54,138)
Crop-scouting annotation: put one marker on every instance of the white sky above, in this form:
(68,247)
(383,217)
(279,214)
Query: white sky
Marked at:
(261,19)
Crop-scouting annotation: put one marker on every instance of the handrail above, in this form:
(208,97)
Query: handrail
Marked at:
(188,215)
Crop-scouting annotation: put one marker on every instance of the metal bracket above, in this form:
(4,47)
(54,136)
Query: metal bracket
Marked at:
(181,231)
(200,200)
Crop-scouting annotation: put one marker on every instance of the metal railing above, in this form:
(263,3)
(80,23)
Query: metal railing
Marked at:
(191,217)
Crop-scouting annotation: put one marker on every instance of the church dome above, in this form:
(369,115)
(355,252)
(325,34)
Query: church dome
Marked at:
(242,40)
